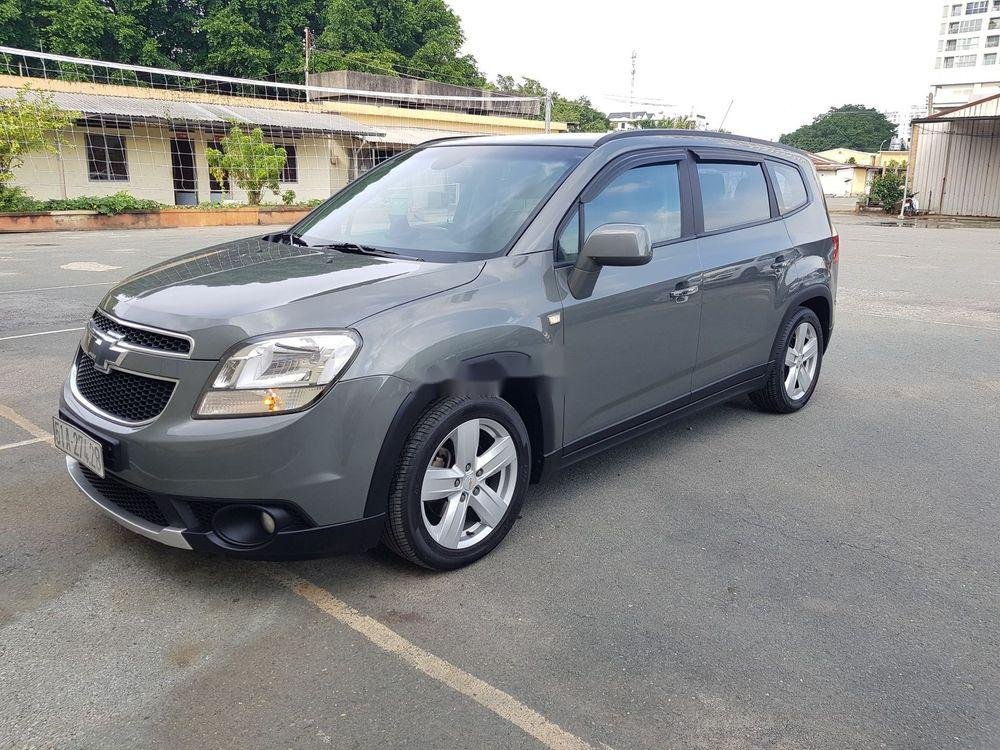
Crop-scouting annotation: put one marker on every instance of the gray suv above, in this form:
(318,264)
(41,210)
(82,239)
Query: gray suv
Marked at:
(460,321)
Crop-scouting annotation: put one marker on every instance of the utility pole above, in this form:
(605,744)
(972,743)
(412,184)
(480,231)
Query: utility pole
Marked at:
(309,44)
(631,90)
(548,111)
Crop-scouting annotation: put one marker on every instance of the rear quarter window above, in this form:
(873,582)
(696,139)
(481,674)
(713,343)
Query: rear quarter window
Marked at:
(789,188)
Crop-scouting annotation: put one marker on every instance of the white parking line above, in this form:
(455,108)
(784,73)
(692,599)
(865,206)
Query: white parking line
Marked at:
(25,424)
(52,288)
(23,442)
(502,704)
(39,333)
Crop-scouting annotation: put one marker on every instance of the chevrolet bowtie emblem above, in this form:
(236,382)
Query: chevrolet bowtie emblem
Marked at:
(102,347)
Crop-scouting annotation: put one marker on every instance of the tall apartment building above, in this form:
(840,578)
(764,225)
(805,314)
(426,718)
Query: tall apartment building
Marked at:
(967,64)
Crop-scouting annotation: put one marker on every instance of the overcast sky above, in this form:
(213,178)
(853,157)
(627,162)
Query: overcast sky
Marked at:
(781,61)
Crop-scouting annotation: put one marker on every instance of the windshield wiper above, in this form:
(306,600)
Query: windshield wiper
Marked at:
(359,249)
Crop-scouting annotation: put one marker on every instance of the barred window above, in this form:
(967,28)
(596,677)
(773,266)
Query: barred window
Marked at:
(290,172)
(106,160)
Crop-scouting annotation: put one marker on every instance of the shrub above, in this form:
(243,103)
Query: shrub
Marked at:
(288,197)
(109,205)
(252,164)
(14,200)
(887,191)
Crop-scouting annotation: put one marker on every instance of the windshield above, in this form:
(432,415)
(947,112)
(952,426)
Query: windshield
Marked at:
(444,203)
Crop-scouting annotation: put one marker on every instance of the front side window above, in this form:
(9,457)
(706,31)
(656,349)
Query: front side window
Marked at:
(732,194)
(789,188)
(443,203)
(106,161)
(649,195)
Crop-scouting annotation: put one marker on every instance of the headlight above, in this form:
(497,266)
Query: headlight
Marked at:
(278,374)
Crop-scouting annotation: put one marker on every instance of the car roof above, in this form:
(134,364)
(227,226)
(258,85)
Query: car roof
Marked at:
(638,137)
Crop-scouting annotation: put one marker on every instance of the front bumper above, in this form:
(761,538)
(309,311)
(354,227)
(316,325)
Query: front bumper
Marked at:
(317,541)
(320,461)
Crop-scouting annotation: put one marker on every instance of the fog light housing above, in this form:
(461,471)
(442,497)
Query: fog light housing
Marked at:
(248,525)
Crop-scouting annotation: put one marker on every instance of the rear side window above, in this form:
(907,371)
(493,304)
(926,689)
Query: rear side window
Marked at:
(649,195)
(788,188)
(732,194)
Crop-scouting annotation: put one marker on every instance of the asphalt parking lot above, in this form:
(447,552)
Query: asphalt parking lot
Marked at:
(828,579)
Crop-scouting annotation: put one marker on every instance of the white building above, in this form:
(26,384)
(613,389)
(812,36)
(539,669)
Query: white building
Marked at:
(967,63)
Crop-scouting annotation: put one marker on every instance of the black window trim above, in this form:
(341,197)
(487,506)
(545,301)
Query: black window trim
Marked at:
(618,166)
(88,149)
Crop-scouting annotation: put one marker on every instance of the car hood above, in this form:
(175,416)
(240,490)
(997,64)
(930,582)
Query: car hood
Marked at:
(236,290)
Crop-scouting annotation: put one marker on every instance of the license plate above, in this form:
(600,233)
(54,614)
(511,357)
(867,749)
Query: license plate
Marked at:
(79,445)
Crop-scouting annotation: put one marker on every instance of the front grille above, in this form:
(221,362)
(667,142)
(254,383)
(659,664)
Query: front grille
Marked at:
(128,498)
(129,397)
(140,337)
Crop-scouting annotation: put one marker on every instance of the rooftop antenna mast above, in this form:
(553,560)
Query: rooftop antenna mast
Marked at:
(725,116)
(631,90)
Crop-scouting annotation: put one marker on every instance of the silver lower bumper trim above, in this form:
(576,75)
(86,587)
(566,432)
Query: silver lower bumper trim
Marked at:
(169,535)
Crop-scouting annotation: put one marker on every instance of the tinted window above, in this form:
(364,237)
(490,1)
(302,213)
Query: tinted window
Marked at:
(647,195)
(789,188)
(569,240)
(444,203)
(732,194)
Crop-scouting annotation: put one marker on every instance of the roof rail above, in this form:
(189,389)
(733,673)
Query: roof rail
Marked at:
(639,132)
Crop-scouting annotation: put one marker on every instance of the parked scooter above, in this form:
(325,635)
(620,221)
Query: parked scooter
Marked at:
(910,206)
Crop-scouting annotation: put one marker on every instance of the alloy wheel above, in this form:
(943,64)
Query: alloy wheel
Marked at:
(801,359)
(469,483)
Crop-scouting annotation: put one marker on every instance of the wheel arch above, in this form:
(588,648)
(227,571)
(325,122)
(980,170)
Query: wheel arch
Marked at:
(506,375)
(818,299)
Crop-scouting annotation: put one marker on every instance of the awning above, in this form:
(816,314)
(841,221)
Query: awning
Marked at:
(171,111)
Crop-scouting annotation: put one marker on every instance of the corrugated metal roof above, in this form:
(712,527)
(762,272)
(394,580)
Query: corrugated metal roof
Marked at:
(981,109)
(169,111)
(412,136)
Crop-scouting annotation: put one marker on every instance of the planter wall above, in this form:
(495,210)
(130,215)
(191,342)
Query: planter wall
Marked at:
(169,218)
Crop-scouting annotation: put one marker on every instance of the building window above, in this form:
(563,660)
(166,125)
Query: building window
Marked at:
(289,172)
(990,59)
(956,10)
(994,24)
(937,63)
(993,41)
(965,61)
(977,7)
(106,160)
(950,45)
(964,27)
(949,62)
(969,42)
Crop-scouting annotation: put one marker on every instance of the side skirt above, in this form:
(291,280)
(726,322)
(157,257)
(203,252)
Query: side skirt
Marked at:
(704,398)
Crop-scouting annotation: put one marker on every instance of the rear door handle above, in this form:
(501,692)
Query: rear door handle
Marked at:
(681,295)
(780,263)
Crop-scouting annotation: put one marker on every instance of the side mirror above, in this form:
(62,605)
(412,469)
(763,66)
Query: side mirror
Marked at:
(608,245)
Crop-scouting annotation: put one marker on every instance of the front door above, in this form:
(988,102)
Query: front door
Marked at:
(631,346)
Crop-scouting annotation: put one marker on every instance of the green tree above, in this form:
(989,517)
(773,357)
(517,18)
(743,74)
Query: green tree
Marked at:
(850,126)
(251,163)
(680,122)
(30,122)
(581,111)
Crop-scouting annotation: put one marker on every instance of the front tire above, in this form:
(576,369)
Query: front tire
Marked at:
(459,483)
(796,360)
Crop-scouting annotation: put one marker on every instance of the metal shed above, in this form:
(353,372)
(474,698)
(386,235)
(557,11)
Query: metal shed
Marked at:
(955,162)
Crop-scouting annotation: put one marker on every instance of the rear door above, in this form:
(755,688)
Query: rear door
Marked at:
(631,346)
(745,249)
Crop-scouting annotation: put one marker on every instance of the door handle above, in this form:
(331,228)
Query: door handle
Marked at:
(681,295)
(780,263)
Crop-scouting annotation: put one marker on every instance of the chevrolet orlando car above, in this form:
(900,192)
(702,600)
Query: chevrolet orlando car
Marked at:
(460,321)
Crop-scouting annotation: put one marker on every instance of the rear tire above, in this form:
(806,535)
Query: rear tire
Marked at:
(796,360)
(459,483)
